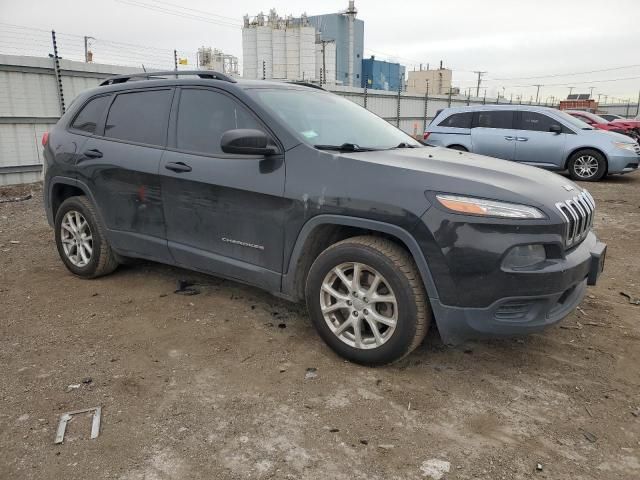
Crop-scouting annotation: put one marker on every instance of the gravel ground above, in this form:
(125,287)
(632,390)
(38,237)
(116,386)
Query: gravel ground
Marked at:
(213,386)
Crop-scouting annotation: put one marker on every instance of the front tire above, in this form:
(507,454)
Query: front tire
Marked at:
(80,239)
(366,300)
(587,166)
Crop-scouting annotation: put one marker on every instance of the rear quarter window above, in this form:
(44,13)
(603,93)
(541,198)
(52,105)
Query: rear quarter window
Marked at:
(458,120)
(90,115)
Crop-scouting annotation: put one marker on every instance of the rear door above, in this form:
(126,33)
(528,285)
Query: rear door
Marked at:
(493,133)
(224,212)
(537,144)
(120,166)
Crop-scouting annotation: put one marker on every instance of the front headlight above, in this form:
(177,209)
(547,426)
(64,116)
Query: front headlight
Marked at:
(625,146)
(488,208)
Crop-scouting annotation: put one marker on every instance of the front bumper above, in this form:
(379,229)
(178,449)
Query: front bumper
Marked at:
(523,314)
(622,163)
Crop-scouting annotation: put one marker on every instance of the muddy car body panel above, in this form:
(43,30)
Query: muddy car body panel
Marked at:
(260,219)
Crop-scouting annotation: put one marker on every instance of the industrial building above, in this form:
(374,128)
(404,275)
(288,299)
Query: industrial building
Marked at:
(381,75)
(214,59)
(347,32)
(322,48)
(438,81)
(288,48)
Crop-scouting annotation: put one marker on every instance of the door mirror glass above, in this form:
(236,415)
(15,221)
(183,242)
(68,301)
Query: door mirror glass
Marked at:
(555,128)
(246,141)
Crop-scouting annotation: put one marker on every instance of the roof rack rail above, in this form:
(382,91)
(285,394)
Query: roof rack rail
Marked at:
(306,84)
(208,74)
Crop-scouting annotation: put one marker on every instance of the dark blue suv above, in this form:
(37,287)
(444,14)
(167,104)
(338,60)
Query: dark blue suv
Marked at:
(311,197)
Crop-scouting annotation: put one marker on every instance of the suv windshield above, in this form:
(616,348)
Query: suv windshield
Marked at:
(328,121)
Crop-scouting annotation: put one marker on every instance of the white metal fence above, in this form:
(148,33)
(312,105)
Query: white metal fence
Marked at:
(31,102)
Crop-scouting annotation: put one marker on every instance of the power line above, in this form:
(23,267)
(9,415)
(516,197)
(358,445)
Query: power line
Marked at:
(571,83)
(569,74)
(197,11)
(177,13)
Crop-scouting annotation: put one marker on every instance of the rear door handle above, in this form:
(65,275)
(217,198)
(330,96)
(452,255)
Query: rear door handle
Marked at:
(93,153)
(178,167)
(508,138)
(522,139)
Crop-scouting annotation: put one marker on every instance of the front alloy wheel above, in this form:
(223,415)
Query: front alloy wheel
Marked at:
(366,300)
(587,165)
(358,305)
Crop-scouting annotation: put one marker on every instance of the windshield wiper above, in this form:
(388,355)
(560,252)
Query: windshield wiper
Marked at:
(345,147)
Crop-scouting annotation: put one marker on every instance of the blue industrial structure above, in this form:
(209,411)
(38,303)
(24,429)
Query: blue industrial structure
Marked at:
(381,75)
(335,26)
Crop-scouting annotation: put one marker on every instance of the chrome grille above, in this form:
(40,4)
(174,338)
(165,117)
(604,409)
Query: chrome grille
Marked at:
(578,216)
(637,148)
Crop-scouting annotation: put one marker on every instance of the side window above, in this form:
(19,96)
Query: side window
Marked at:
(494,119)
(536,122)
(204,115)
(140,117)
(458,120)
(89,117)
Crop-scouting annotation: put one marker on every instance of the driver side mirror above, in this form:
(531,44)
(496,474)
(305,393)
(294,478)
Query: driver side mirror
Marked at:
(555,129)
(246,141)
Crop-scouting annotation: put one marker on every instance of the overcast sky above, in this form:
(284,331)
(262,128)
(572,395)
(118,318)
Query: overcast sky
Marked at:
(509,39)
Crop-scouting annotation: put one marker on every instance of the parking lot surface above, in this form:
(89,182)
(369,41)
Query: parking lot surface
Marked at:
(217,386)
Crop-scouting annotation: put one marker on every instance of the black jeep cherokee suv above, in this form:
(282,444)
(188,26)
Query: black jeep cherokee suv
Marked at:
(307,195)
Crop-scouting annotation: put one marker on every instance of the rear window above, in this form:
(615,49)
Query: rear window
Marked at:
(89,117)
(140,117)
(458,120)
(494,119)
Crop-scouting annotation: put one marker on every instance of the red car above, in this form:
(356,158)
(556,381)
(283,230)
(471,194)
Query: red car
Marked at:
(631,122)
(603,124)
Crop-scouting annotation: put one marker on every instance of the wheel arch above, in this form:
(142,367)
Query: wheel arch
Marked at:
(323,230)
(61,188)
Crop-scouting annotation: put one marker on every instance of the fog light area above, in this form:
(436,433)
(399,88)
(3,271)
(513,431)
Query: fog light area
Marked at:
(524,256)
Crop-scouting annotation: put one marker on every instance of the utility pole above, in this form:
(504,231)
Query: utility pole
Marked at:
(450,92)
(480,74)
(571,90)
(426,106)
(537,91)
(591,91)
(599,95)
(175,61)
(638,109)
(264,71)
(324,60)
(87,55)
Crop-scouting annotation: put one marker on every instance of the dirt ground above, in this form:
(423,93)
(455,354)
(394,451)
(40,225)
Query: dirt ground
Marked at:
(213,386)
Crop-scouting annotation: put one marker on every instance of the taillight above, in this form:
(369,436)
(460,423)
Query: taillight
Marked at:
(45,139)
(426,135)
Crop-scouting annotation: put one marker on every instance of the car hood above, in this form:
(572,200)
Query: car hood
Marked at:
(462,173)
(613,136)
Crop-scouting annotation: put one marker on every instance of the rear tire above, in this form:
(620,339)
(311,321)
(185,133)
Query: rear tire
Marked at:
(82,244)
(387,303)
(459,148)
(587,166)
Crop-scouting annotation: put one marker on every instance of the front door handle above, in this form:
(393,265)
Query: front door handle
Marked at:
(508,138)
(522,139)
(178,167)
(93,153)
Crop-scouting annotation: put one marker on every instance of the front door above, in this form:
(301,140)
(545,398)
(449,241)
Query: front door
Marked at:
(224,212)
(493,134)
(537,144)
(120,166)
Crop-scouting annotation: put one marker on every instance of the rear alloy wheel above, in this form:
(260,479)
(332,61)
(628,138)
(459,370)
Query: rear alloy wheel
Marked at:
(82,244)
(366,300)
(587,165)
